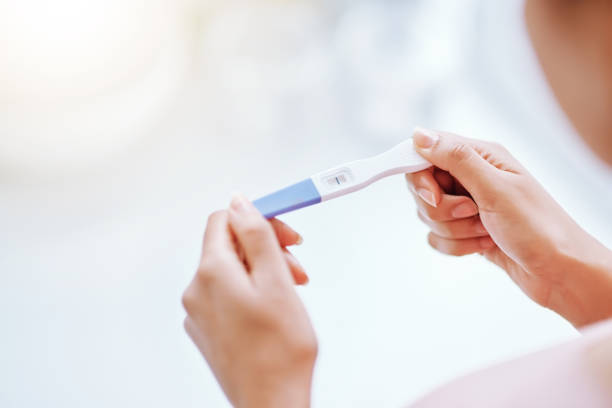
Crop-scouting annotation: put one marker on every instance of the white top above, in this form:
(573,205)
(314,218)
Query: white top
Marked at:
(354,176)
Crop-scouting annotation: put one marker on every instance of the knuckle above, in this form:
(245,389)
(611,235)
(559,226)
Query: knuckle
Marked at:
(256,229)
(459,152)
(207,271)
(190,299)
(307,349)
(497,146)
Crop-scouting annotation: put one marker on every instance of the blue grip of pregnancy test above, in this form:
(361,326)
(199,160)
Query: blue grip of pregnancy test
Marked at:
(291,198)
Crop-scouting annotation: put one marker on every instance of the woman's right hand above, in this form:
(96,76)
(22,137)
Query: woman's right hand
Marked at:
(479,199)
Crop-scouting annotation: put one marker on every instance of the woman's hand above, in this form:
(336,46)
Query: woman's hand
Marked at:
(244,314)
(479,199)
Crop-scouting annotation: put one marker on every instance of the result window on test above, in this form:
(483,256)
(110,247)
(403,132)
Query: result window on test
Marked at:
(337,179)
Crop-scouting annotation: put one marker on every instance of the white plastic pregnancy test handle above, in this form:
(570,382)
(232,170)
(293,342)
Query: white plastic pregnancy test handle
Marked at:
(342,180)
(353,176)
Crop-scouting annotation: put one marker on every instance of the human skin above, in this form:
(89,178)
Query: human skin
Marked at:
(573,43)
(246,319)
(244,315)
(479,199)
(574,374)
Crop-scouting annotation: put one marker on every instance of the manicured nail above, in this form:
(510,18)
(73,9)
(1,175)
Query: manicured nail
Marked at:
(296,264)
(241,204)
(464,210)
(424,138)
(427,196)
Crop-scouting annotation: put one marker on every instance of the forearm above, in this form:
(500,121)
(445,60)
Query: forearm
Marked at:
(585,295)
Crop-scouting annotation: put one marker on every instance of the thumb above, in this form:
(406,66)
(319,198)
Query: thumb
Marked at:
(459,157)
(257,239)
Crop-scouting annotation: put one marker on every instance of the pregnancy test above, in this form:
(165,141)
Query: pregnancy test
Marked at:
(342,180)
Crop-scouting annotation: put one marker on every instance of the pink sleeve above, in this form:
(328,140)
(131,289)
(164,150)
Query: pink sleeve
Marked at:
(576,374)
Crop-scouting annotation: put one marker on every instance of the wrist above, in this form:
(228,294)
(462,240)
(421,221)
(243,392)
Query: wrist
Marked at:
(280,392)
(280,398)
(583,294)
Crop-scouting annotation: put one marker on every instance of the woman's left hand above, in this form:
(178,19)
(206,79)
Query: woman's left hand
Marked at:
(245,316)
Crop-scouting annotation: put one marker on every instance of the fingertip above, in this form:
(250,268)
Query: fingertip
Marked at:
(286,235)
(240,206)
(426,187)
(302,280)
(424,138)
(427,196)
(239,203)
(299,274)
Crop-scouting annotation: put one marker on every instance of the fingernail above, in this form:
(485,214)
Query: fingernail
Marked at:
(427,196)
(424,138)
(300,240)
(464,210)
(296,264)
(241,205)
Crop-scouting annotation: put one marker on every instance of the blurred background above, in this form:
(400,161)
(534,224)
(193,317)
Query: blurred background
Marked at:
(124,123)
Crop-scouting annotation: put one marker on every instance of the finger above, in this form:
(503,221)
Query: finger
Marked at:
(217,236)
(286,235)
(457,155)
(425,186)
(460,247)
(449,208)
(458,229)
(297,271)
(255,235)
(220,256)
(445,180)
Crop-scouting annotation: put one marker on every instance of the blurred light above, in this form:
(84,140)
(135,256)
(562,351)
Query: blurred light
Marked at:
(78,78)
